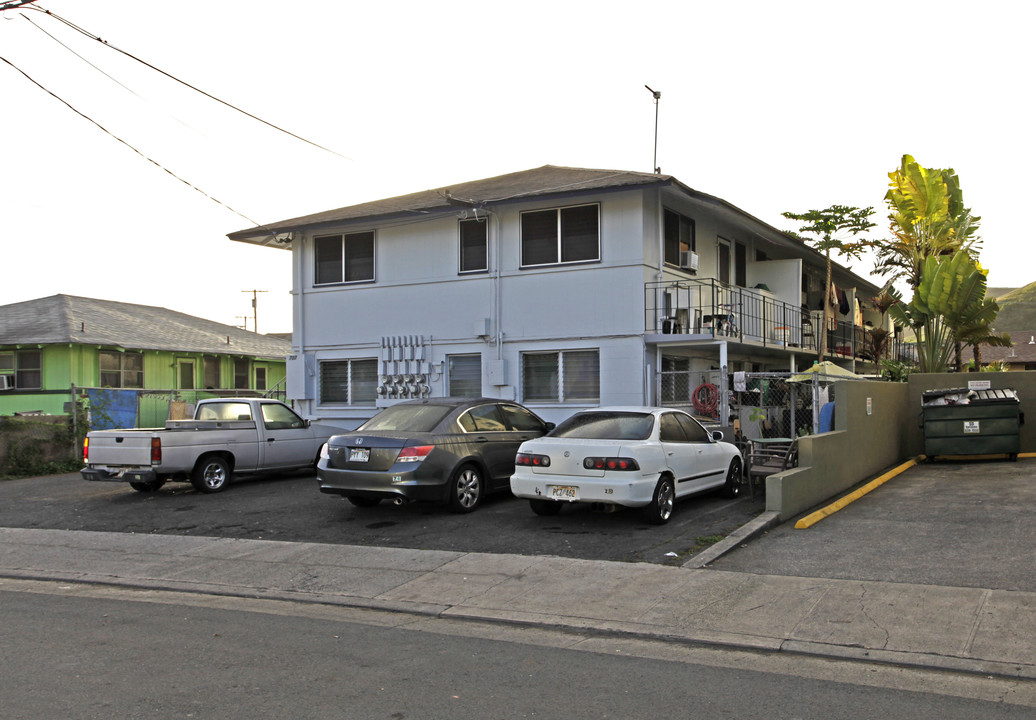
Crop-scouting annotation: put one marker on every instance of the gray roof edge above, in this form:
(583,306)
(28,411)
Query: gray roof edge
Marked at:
(435,206)
(89,321)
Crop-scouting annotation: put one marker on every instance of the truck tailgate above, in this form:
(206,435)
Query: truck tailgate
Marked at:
(115,448)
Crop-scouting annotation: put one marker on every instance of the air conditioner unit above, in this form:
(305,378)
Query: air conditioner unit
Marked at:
(688,260)
(6,382)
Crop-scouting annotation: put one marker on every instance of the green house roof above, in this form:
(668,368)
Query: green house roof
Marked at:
(61,319)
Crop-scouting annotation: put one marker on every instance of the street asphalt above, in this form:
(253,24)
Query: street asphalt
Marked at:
(932,569)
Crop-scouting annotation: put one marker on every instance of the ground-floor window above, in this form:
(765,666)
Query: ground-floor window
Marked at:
(675,379)
(563,376)
(348,382)
(260,378)
(242,374)
(464,375)
(121,369)
(23,369)
(211,370)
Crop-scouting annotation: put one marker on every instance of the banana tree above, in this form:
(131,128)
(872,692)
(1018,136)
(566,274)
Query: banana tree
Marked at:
(927,219)
(949,306)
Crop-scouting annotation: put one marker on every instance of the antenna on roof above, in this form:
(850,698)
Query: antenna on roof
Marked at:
(658,96)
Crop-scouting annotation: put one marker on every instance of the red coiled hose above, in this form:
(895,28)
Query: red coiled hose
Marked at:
(706,399)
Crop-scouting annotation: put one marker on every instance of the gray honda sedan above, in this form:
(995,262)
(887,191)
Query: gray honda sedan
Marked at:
(444,450)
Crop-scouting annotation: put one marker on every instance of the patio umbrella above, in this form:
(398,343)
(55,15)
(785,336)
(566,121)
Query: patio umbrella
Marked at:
(827,370)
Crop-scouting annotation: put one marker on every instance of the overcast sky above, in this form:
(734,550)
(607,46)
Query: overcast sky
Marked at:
(771,106)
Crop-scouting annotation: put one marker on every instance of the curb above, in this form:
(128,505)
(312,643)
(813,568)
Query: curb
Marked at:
(815,517)
(612,629)
(743,534)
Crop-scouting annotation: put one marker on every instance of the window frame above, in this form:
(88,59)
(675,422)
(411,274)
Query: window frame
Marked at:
(342,277)
(211,369)
(18,369)
(679,218)
(122,371)
(559,236)
(247,365)
(350,384)
(449,374)
(467,223)
(559,381)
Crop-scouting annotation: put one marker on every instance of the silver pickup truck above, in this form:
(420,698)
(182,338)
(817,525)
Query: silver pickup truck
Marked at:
(226,436)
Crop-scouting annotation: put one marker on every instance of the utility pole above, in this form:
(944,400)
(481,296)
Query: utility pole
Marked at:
(245,318)
(255,309)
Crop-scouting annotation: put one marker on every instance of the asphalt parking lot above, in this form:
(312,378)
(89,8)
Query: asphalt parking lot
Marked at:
(292,509)
(958,524)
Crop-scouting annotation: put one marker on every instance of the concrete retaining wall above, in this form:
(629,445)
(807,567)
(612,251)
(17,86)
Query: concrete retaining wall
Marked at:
(864,443)
(868,441)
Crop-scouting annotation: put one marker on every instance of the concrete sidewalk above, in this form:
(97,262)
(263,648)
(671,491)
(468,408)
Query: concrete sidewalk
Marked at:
(992,632)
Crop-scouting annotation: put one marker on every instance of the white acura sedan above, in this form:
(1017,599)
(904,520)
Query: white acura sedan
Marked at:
(632,456)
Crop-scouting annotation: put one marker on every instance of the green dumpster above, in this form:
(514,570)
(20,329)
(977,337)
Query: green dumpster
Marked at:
(971,422)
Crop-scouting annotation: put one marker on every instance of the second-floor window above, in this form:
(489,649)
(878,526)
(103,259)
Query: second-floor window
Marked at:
(121,369)
(563,235)
(344,258)
(474,246)
(678,236)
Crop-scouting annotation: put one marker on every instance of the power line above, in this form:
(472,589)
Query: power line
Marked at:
(186,84)
(138,152)
(14,4)
(113,79)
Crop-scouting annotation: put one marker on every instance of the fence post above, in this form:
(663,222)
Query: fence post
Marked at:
(816,403)
(75,425)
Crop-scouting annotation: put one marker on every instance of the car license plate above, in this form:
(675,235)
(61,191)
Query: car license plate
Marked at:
(563,492)
(359,454)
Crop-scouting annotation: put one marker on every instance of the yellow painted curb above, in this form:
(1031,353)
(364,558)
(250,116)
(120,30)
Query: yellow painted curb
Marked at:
(814,518)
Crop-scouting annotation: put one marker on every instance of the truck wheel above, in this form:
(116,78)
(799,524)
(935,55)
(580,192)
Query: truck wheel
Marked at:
(146,487)
(211,474)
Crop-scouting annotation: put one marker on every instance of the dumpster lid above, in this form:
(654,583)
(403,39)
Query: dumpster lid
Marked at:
(946,396)
(994,397)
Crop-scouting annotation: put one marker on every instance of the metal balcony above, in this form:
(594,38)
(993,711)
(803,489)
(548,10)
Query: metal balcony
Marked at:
(708,309)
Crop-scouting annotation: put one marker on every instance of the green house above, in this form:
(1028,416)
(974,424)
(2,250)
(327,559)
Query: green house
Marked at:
(57,348)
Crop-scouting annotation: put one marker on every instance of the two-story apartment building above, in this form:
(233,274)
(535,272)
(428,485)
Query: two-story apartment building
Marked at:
(558,287)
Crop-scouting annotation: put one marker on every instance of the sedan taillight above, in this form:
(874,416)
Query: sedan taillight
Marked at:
(530,460)
(610,463)
(415,453)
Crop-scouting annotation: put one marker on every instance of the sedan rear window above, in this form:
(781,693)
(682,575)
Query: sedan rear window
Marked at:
(407,418)
(606,426)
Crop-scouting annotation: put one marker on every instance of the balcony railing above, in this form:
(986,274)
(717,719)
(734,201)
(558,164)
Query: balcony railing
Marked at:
(753,315)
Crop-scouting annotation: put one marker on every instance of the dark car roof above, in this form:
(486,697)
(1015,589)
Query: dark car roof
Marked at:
(456,402)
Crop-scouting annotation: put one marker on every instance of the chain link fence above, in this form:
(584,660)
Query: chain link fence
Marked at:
(758,405)
(696,392)
(108,408)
